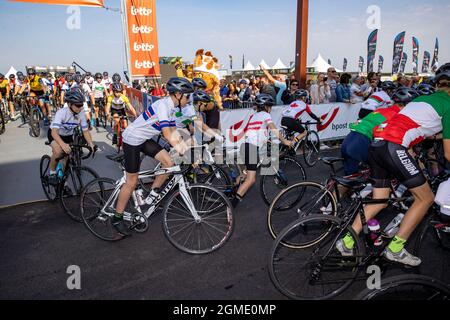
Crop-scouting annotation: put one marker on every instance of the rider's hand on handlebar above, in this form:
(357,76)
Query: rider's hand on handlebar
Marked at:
(66,148)
(181,148)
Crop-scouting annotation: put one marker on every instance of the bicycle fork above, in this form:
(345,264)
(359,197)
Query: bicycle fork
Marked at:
(188,200)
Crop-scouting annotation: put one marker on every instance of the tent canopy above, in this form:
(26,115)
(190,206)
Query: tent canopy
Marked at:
(320,65)
(11,71)
(279,65)
(264,64)
(249,67)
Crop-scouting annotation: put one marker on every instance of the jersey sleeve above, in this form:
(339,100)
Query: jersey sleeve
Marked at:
(268,119)
(110,99)
(57,120)
(163,113)
(83,122)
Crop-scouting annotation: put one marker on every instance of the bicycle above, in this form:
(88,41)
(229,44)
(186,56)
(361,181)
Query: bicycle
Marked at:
(304,262)
(3,116)
(35,116)
(310,144)
(197,219)
(72,178)
(118,130)
(102,118)
(408,287)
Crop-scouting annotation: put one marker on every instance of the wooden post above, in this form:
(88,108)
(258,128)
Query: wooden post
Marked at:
(302,42)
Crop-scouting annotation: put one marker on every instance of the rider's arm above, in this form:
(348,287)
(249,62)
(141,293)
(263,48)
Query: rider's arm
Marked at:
(85,128)
(278,134)
(131,108)
(174,138)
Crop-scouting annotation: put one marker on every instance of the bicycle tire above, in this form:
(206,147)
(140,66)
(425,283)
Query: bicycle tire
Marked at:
(283,259)
(311,148)
(35,123)
(2,122)
(215,201)
(71,204)
(432,288)
(279,216)
(50,191)
(271,186)
(216,177)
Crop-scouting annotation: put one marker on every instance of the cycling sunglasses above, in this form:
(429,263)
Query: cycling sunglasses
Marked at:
(78,105)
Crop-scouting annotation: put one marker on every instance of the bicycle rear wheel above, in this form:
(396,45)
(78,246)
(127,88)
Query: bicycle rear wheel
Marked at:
(77,179)
(315,272)
(297,201)
(211,175)
(290,172)
(408,287)
(50,191)
(35,123)
(311,148)
(2,122)
(204,236)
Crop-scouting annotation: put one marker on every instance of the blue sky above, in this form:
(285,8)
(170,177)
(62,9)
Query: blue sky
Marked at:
(37,34)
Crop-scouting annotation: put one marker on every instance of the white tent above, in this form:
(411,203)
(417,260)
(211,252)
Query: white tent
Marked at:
(320,65)
(11,71)
(249,67)
(279,65)
(264,64)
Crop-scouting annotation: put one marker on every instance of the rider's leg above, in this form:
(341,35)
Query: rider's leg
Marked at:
(11,109)
(166,162)
(125,192)
(57,152)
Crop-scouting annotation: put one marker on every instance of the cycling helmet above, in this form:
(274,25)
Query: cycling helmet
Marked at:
(88,74)
(68,77)
(116,77)
(74,96)
(199,83)
(202,96)
(105,74)
(388,85)
(443,73)
(264,100)
(425,89)
(19,73)
(181,85)
(117,87)
(12,76)
(21,77)
(301,93)
(78,78)
(31,72)
(98,75)
(2,76)
(404,95)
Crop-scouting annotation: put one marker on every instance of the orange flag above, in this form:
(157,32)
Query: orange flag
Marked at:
(91,3)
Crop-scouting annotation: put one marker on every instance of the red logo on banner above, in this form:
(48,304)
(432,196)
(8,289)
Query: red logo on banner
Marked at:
(326,124)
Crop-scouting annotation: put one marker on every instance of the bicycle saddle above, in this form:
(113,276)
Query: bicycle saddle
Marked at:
(116,158)
(331,160)
(354,184)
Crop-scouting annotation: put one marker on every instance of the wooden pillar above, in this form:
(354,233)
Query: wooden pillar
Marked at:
(302,41)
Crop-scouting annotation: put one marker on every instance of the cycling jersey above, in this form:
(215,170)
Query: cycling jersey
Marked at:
(67,86)
(36,84)
(3,85)
(422,118)
(65,121)
(90,81)
(376,101)
(370,125)
(99,89)
(296,109)
(257,128)
(118,103)
(13,84)
(47,83)
(158,116)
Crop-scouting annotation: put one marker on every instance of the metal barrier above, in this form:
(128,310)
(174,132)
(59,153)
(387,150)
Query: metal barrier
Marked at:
(237,104)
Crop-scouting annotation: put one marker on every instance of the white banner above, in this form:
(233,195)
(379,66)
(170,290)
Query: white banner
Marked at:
(336,119)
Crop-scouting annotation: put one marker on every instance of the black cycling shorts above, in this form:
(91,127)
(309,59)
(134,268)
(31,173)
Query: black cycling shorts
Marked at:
(388,160)
(250,153)
(292,125)
(66,139)
(119,112)
(133,154)
(39,94)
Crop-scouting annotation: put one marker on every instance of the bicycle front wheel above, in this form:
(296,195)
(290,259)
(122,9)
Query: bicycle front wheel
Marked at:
(300,200)
(76,180)
(35,123)
(205,235)
(50,191)
(311,148)
(2,122)
(408,287)
(315,272)
(290,172)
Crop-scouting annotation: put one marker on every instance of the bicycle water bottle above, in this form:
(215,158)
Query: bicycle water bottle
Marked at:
(393,227)
(375,232)
(59,170)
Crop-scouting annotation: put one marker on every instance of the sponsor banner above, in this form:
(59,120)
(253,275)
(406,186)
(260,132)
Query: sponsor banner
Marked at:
(371,49)
(435,63)
(398,50)
(90,3)
(426,62)
(415,56)
(380,63)
(336,120)
(136,99)
(142,38)
(403,63)
(344,67)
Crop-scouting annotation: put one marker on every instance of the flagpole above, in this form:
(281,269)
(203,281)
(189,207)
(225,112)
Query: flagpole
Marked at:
(123,16)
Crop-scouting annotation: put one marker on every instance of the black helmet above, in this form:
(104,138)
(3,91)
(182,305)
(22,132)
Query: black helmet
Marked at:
(78,78)
(68,77)
(425,89)
(443,73)
(388,85)
(199,83)
(181,85)
(12,76)
(74,96)
(98,75)
(301,93)
(404,95)
(117,87)
(265,100)
(21,77)
(105,74)
(19,73)
(2,76)
(88,74)
(31,72)
(202,96)
(116,77)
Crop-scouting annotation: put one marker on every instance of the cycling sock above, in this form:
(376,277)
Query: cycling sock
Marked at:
(236,200)
(349,242)
(118,216)
(397,244)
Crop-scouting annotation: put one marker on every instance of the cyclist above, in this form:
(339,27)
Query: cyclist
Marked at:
(68,84)
(157,119)
(117,79)
(4,88)
(81,83)
(38,89)
(47,79)
(61,131)
(117,106)
(100,91)
(211,113)
(379,99)
(389,157)
(89,79)
(291,114)
(107,78)
(355,148)
(257,130)
(425,89)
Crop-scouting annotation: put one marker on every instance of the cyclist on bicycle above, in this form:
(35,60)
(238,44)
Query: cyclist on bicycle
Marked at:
(291,114)
(355,148)
(100,91)
(38,89)
(60,133)
(117,106)
(256,135)
(158,119)
(68,84)
(378,100)
(89,79)
(389,158)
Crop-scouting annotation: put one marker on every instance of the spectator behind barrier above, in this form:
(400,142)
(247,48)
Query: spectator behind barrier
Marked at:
(320,91)
(343,89)
(332,82)
(287,96)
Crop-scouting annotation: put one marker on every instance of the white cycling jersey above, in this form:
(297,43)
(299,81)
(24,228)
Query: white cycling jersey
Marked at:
(158,116)
(296,109)
(377,100)
(257,128)
(65,121)
(99,89)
